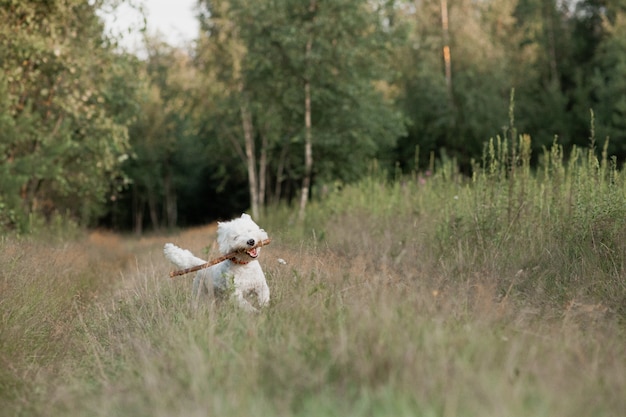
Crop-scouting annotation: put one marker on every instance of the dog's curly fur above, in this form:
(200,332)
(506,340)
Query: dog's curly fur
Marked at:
(241,276)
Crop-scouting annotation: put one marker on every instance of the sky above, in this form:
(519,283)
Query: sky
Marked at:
(173,19)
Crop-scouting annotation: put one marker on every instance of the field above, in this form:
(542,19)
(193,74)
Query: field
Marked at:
(503,294)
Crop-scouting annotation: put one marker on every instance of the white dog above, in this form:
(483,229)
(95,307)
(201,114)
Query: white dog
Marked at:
(241,276)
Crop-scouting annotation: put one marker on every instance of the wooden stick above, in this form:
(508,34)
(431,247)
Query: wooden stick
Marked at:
(215,261)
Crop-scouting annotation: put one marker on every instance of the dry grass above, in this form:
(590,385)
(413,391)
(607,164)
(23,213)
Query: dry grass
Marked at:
(366,321)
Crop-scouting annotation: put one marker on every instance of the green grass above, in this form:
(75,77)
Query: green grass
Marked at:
(497,295)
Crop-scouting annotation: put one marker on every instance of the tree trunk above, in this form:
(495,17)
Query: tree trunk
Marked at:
(153,209)
(246,120)
(308,150)
(171,211)
(263,171)
(280,169)
(308,145)
(138,205)
(447,59)
(549,24)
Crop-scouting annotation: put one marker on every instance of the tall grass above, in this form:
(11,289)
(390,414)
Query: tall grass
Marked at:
(436,295)
(552,235)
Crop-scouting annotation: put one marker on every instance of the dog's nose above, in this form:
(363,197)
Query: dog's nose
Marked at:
(250,242)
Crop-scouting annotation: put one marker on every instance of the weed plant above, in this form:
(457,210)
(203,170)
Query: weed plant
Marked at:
(499,294)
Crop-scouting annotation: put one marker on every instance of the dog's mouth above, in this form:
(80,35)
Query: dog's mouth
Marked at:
(253,253)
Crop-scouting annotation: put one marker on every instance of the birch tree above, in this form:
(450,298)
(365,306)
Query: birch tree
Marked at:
(223,51)
(309,71)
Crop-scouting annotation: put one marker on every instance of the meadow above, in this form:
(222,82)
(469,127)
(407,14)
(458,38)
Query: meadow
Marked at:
(438,294)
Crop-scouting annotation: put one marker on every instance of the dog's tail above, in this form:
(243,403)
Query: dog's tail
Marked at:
(182,258)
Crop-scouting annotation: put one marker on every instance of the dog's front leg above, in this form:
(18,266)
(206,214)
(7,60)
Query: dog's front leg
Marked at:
(263,294)
(238,294)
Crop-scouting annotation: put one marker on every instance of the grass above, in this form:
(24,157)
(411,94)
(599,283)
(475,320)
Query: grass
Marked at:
(501,294)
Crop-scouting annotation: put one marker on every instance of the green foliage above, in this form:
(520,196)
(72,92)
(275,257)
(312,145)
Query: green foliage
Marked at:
(608,89)
(556,55)
(62,119)
(168,156)
(87,132)
(258,51)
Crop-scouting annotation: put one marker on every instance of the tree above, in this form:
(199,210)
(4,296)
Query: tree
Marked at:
(455,116)
(608,85)
(168,154)
(308,71)
(221,53)
(308,136)
(63,133)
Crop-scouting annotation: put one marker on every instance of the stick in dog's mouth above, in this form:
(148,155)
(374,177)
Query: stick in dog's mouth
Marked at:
(222,259)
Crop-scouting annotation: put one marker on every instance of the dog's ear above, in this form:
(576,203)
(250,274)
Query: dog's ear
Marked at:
(246,216)
(220,226)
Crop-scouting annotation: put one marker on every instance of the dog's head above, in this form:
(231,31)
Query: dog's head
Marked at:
(240,235)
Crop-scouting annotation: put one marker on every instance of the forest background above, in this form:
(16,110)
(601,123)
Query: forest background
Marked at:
(277,101)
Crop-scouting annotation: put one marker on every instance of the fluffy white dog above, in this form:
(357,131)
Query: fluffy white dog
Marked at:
(240,276)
